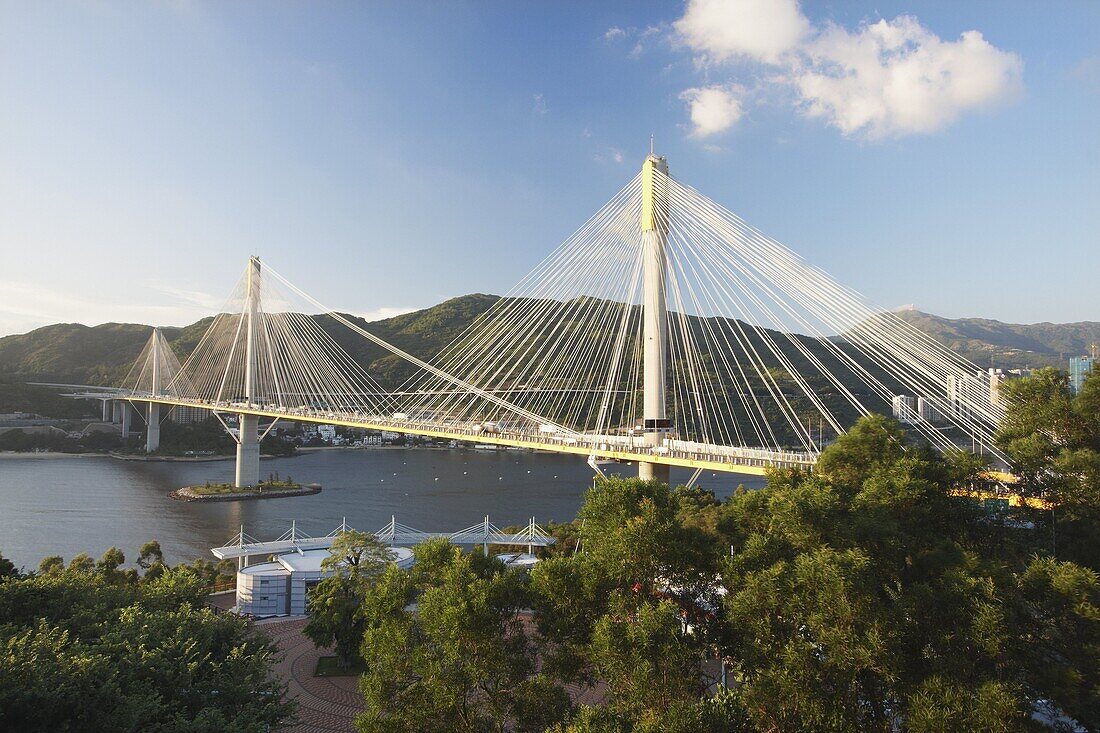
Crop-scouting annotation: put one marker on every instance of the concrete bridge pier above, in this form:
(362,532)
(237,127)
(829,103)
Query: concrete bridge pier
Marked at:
(124,418)
(654,472)
(116,410)
(152,428)
(107,412)
(248,451)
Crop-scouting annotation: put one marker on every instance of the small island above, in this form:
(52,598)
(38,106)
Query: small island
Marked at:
(273,488)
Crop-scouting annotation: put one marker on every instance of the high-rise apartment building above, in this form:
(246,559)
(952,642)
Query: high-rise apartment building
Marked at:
(1079,368)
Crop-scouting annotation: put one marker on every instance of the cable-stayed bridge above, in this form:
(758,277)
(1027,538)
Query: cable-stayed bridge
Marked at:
(664,331)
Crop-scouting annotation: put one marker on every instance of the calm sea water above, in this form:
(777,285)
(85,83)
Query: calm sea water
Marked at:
(66,505)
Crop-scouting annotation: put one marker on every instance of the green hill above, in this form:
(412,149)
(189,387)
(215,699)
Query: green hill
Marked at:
(74,353)
(1008,345)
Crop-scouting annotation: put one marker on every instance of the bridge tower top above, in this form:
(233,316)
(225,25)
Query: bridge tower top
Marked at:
(654,196)
(156,360)
(252,307)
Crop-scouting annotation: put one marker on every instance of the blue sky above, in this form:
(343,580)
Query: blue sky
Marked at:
(386,156)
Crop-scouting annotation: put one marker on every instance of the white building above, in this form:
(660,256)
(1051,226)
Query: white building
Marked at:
(282,587)
(927,411)
(327,433)
(996,377)
(966,394)
(903,408)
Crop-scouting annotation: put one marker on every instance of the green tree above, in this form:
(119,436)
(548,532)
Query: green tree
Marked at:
(356,560)
(1052,439)
(80,652)
(82,563)
(649,663)
(462,661)
(866,594)
(7,568)
(150,554)
(618,611)
(1057,619)
(151,559)
(110,561)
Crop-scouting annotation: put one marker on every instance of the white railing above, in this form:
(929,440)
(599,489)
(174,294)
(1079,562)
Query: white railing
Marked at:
(394,533)
(474,432)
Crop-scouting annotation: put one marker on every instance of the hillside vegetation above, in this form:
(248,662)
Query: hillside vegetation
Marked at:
(1008,345)
(74,353)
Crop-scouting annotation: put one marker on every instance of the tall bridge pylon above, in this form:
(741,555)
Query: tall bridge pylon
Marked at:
(654,226)
(248,437)
(664,331)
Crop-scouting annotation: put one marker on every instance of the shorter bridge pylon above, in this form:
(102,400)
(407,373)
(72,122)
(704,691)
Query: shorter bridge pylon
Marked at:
(248,441)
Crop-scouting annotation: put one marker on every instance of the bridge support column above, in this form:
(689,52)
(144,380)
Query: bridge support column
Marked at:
(655,423)
(152,413)
(653,472)
(248,443)
(107,411)
(152,428)
(248,451)
(116,411)
(125,418)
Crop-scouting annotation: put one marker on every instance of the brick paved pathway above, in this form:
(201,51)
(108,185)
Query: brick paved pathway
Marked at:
(325,704)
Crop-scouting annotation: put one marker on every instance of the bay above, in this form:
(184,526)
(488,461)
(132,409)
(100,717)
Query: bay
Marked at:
(64,505)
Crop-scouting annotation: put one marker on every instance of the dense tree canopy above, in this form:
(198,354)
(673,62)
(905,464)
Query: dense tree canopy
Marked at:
(93,647)
(865,596)
(462,660)
(1053,439)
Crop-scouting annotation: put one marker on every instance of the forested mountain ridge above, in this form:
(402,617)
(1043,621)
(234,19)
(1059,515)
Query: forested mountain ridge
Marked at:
(103,354)
(74,353)
(1008,345)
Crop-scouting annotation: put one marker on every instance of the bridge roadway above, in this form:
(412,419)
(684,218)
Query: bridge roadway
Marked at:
(683,454)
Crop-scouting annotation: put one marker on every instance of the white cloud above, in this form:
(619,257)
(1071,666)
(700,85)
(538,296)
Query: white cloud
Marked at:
(642,37)
(885,79)
(381,314)
(898,78)
(608,154)
(206,301)
(762,30)
(25,306)
(713,109)
(540,106)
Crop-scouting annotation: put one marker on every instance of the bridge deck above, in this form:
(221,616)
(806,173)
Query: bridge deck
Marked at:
(752,461)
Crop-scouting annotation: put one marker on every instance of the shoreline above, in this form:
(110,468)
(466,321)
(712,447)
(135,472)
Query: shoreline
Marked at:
(168,459)
(137,457)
